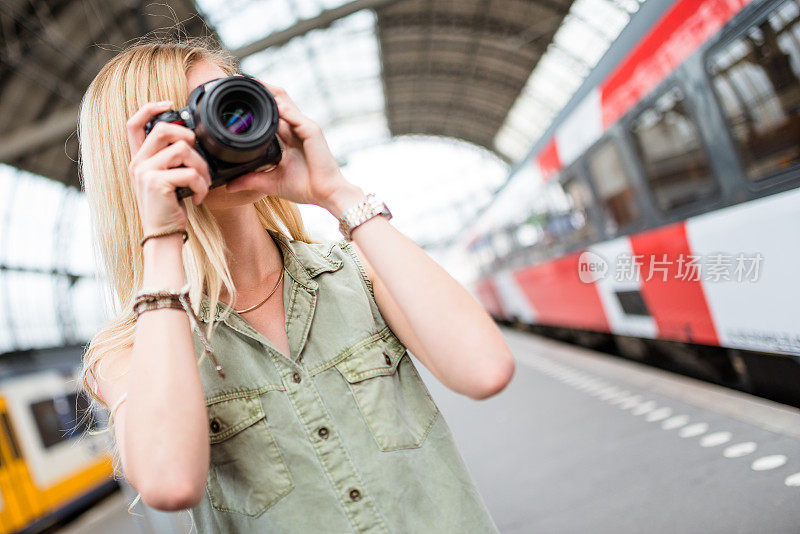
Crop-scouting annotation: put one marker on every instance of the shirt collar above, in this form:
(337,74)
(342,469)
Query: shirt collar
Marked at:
(301,261)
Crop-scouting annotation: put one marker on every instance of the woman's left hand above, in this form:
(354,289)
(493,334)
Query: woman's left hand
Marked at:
(307,173)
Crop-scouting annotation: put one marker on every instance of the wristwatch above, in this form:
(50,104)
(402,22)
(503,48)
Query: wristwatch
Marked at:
(361,213)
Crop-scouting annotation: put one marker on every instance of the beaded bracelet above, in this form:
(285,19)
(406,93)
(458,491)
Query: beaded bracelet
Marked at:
(146,300)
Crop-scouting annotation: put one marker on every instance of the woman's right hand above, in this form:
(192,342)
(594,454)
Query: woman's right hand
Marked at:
(161,162)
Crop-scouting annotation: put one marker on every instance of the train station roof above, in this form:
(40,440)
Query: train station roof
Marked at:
(484,77)
(366,70)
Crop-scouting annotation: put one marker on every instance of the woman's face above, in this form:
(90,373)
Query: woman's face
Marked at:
(218,198)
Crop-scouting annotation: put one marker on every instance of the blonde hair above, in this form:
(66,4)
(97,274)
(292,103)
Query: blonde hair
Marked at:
(146,71)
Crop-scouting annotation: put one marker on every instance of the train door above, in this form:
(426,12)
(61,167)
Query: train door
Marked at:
(16,507)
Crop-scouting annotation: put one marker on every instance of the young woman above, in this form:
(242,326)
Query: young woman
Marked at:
(319,421)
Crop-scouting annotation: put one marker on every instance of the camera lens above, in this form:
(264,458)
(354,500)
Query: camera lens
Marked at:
(237,117)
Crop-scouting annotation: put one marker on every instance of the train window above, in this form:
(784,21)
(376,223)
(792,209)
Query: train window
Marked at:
(580,201)
(757,80)
(12,438)
(612,183)
(60,418)
(674,162)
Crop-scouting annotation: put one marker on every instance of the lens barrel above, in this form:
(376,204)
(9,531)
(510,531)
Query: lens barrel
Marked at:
(236,119)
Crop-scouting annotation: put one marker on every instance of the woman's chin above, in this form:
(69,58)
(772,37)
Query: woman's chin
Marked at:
(221,198)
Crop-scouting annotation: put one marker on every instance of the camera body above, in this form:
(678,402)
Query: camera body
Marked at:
(235,121)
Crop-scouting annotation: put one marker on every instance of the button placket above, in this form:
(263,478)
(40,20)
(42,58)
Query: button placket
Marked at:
(331,453)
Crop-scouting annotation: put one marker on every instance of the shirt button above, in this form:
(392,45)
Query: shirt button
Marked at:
(323,432)
(296,378)
(387,358)
(215,426)
(355,495)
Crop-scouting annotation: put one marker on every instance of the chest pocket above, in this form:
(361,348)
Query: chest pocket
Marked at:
(390,394)
(247,473)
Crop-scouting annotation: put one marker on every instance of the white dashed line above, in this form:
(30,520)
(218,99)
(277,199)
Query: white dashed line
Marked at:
(675,422)
(644,408)
(630,402)
(658,415)
(793,480)
(740,449)
(693,430)
(623,395)
(768,462)
(627,401)
(716,438)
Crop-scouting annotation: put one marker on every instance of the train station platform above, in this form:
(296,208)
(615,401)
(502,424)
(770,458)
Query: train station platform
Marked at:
(585,442)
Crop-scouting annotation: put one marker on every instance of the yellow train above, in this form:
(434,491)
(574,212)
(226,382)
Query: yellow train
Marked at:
(50,470)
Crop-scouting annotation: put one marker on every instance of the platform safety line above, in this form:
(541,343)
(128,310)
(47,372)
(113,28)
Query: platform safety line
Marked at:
(652,412)
(755,411)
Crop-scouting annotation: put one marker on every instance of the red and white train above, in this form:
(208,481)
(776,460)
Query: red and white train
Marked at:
(668,211)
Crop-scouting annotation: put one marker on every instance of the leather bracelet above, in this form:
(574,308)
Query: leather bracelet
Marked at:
(144,305)
(166,233)
(147,299)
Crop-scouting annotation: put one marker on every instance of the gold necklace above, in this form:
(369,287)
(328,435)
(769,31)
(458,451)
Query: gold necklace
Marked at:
(251,308)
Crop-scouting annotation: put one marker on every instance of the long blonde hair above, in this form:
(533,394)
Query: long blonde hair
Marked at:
(152,70)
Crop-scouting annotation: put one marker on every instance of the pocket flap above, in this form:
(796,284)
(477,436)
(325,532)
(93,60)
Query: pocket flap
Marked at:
(376,358)
(229,417)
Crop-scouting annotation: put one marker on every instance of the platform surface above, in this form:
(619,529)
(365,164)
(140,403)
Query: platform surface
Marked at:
(583,442)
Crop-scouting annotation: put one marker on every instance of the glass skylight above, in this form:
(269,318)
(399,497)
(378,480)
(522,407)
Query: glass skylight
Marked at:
(586,33)
(332,74)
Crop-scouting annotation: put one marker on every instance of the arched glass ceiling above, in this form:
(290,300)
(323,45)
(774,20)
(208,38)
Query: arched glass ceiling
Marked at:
(586,33)
(332,74)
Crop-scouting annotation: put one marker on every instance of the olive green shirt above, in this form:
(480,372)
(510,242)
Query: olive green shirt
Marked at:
(340,435)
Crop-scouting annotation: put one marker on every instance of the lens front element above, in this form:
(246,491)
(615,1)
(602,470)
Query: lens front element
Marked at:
(237,117)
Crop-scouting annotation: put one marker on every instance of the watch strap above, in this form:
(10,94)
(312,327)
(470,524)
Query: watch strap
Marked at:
(365,210)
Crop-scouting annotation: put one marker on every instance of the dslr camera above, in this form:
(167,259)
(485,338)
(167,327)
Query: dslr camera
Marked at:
(235,121)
